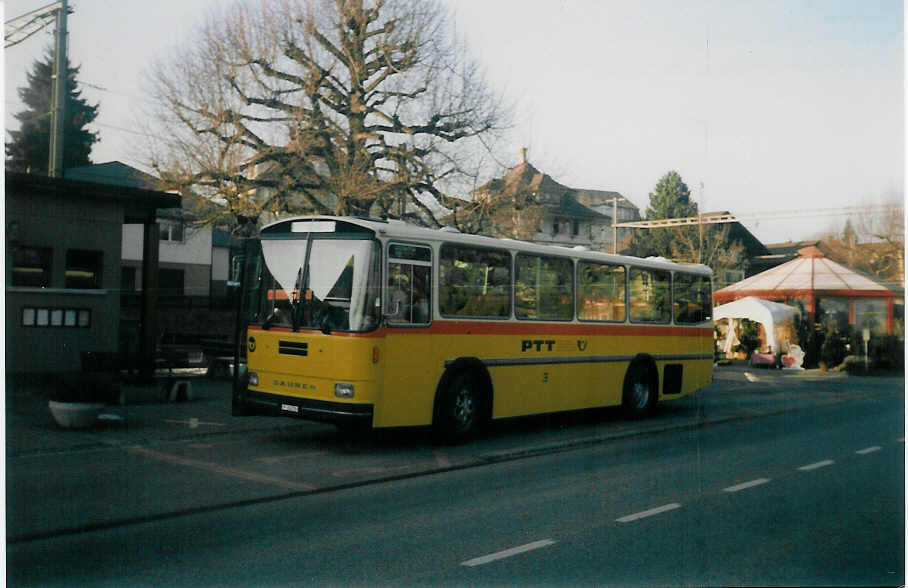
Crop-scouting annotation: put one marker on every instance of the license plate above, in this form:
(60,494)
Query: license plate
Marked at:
(290,407)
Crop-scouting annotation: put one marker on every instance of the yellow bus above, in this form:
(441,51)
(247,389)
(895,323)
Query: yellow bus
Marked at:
(380,323)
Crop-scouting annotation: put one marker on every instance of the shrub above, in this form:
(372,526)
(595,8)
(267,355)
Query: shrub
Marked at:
(748,336)
(887,352)
(86,387)
(835,346)
(854,365)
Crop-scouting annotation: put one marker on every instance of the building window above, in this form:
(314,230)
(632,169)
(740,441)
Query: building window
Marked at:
(871,313)
(575,228)
(170,282)
(31,266)
(128,279)
(171,231)
(56,317)
(83,269)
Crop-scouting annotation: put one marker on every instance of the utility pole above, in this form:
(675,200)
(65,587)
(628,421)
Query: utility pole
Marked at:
(58,112)
(614,202)
(700,227)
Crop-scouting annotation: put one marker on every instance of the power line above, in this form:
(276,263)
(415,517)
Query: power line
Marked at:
(20,28)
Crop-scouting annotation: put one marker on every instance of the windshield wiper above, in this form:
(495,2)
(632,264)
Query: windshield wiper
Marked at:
(302,288)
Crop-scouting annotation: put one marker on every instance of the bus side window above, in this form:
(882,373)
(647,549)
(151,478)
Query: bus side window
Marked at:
(600,295)
(692,298)
(409,285)
(650,295)
(544,288)
(475,282)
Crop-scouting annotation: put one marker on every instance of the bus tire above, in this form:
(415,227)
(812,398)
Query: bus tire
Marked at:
(458,408)
(640,394)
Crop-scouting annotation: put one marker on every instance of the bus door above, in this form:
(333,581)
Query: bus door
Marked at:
(409,382)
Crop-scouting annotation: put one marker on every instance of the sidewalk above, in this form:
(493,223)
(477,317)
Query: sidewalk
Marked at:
(143,420)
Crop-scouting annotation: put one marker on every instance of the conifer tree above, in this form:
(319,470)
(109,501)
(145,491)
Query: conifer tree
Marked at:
(29,147)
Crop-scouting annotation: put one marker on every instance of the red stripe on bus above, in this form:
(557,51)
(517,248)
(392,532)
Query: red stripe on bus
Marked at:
(448,327)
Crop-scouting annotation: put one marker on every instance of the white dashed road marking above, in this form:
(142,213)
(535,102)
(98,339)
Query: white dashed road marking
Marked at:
(649,513)
(813,466)
(745,485)
(867,450)
(507,553)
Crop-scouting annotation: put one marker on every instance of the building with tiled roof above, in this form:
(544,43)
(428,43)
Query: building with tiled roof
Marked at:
(566,216)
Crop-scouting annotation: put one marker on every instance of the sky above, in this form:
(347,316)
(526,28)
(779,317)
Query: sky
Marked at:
(786,105)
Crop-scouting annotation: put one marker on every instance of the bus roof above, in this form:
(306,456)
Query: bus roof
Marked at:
(396,229)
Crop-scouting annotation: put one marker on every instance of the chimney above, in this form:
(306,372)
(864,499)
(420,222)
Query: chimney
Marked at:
(523,155)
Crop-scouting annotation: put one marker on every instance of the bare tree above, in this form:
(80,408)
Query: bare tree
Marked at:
(714,247)
(322,106)
(873,243)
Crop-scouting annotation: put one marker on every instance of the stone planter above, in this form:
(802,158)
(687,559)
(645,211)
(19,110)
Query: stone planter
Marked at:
(75,415)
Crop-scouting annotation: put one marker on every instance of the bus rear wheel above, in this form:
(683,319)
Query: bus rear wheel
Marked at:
(639,397)
(457,411)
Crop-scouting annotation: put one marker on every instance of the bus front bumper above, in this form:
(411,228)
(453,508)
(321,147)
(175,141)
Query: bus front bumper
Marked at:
(305,408)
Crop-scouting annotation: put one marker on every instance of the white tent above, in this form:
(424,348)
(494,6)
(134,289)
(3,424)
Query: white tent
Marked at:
(770,314)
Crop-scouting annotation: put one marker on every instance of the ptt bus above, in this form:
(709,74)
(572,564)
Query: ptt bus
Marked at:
(379,323)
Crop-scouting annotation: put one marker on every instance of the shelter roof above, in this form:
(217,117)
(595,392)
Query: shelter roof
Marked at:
(810,272)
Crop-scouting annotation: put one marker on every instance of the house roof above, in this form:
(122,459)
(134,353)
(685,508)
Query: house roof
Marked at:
(603,198)
(555,197)
(738,232)
(810,273)
(114,173)
(523,178)
(138,202)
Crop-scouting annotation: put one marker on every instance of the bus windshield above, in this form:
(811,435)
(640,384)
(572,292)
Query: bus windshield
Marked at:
(337,290)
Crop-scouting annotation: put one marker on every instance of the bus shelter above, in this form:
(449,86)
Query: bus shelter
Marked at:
(828,291)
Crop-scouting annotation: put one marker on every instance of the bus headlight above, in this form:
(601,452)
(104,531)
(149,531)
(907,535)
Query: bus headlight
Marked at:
(253,379)
(343,390)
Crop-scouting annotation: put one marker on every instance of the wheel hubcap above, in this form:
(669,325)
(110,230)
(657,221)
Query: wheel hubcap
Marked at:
(463,407)
(640,394)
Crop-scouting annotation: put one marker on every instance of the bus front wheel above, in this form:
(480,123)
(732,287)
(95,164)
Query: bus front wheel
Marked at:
(457,411)
(639,397)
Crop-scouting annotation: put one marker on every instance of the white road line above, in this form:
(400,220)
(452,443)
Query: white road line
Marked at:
(649,513)
(867,450)
(507,553)
(819,464)
(745,485)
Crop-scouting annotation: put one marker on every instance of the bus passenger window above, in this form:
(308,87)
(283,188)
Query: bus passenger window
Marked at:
(650,295)
(601,292)
(692,298)
(475,282)
(544,288)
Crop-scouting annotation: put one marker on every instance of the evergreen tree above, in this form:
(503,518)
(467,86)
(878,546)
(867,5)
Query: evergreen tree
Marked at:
(29,147)
(670,199)
(709,244)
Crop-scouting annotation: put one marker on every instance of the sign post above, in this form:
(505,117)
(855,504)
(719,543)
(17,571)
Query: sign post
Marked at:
(866,335)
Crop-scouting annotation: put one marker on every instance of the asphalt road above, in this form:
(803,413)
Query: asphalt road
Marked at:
(804,497)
